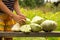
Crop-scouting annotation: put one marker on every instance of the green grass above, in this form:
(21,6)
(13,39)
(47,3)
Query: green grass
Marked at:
(30,13)
(30,38)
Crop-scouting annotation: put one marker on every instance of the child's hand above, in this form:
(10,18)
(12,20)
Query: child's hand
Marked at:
(19,19)
(22,16)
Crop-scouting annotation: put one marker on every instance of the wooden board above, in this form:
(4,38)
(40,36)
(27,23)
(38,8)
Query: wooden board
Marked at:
(32,34)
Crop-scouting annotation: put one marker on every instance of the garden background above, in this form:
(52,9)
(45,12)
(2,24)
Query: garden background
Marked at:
(45,9)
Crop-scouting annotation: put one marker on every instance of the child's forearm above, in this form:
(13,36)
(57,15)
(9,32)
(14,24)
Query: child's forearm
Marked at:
(5,9)
(17,7)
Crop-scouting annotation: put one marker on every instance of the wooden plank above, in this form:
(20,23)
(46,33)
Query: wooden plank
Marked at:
(32,34)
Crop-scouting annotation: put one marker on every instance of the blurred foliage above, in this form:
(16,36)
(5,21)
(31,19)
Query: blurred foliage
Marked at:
(31,3)
(39,4)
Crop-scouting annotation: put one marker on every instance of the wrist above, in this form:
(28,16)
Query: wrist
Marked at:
(12,15)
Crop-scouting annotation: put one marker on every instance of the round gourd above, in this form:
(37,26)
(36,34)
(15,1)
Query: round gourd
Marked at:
(28,21)
(16,27)
(37,20)
(35,27)
(25,28)
(49,25)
